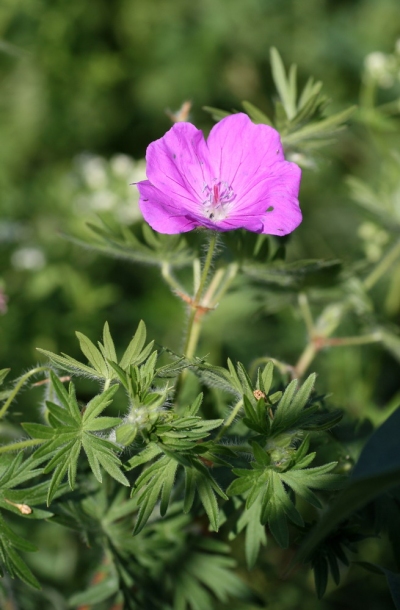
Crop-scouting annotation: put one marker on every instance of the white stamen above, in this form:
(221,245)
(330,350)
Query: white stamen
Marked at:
(218,197)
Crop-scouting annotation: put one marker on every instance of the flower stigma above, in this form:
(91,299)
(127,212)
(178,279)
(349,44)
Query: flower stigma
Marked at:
(218,196)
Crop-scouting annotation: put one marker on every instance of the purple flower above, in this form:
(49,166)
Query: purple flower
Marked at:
(237,179)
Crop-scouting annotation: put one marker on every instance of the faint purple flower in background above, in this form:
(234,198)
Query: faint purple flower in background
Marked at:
(236,179)
(3,301)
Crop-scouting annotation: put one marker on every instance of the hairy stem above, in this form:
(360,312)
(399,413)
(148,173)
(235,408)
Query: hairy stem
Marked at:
(19,385)
(318,342)
(170,279)
(305,359)
(194,324)
(306,312)
(230,419)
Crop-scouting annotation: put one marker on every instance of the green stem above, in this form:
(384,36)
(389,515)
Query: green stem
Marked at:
(229,276)
(283,367)
(345,341)
(169,278)
(22,445)
(383,266)
(319,343)
(206,268)
(306,313)
(230,419)
(305,359)
(193,329)
(19,385)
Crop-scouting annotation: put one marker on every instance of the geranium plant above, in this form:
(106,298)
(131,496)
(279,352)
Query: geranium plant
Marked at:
(162,486)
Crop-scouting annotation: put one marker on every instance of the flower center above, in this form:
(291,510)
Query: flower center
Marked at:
(218,196)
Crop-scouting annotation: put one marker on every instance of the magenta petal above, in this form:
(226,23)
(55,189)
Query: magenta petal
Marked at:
(240,150)
(177,165)
(274,199)
(162,214)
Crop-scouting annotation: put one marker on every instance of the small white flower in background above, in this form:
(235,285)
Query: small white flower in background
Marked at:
(121,165)
(31,259)
(93,170)
(103,200)
(379,67)
(375,63)
(382,68)
(103,185)
(375,239)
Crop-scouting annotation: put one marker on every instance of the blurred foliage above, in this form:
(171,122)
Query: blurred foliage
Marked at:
(83,90)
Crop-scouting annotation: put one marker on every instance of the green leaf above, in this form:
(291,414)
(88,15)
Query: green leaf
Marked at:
(377,470)
(3,374)
(240,486)
(195,406)
(108,343)
(319,130)
(93,460)
(110,464)
(150,452)
(208,500)
(300,399)
(216,113)
(97,405)
(38,430)
(190,489)
(255,114)
(135,346)
(287,92)
(96,593)
(250,521)
(218,377)
(69,364)
(147,505)
(122,243)
(102,423)
(266,378)
(320,568)
(61,415)
(290,411)
(93,355)
(169,479)
(260,455)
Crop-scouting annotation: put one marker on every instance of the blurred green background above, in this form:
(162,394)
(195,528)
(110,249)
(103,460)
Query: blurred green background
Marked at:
(83,90)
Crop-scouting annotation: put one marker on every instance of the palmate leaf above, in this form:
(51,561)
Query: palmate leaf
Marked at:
(233,380)
(17,471)
(157,481)
(249,520)
(256,115)
(153,248)
(10,543)
(21,501)
(300,118)
(178,442)
(207,573)
(70,432)
(267,485)
(101,359)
